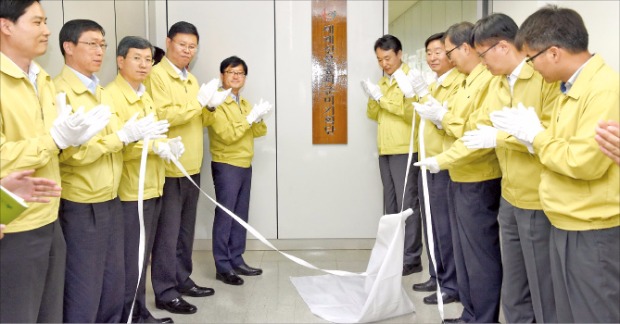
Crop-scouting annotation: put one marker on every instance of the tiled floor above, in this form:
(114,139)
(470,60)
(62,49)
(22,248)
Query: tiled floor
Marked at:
(272,298)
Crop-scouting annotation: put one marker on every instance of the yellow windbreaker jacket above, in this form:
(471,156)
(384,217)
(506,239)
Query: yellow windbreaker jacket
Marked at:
(26,118)
(520,169)
(434,137)
(91,172)
(175,100)
(579,185)
(393,114)
(468,103)
(231,138)
(128,103)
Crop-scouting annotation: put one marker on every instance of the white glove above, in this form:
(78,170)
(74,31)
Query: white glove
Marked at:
(97,118)
(135,130)
(417,82)
(404,83)
(260,109)
(428,163)
(432,110)
(483,137)
(207,91)
(372,90)
(522,123)
(269,107)
(74,129)
(163,150)
(176,147)
(218,98)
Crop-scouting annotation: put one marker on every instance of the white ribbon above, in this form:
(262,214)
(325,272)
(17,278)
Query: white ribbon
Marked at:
(429,224)
(259,236)
(141,245)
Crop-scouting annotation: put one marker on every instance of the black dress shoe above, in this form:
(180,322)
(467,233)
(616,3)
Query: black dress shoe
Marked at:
(411,268)
(177,306)
(430,285)
(453,320)
(246,270)
(229,278)
(151,319)
(198,291)
(432,299)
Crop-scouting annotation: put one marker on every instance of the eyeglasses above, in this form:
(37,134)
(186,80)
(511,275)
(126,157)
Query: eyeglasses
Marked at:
(145,60)
(481,55)
(235,73)
(450,51)
(531,59)
(189,47)
(94,45)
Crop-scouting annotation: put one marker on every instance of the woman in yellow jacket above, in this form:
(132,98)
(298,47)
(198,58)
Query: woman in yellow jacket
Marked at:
(231,142)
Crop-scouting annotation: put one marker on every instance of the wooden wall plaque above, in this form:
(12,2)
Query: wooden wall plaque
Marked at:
(329,72)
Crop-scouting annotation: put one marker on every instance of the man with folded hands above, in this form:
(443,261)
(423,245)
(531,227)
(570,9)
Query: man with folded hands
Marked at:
(231,142)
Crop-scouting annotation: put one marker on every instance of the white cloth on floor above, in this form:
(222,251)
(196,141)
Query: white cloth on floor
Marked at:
(362,299)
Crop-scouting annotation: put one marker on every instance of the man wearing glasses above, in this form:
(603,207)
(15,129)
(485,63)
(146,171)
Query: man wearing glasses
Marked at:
(134,57)
(231,139)
(90,211)
(32,253)
(188,107)
(526,295)
(473,194)
(579,189)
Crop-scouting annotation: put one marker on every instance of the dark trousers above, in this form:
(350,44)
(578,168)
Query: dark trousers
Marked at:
(473,208)
(393,169)
(171,259)
(32,275)
(585,270)
(442,234)
(527,292)
(151,211)
(232,190)
(95,275)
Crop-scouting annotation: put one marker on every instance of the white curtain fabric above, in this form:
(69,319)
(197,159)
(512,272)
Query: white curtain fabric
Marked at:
(360,299)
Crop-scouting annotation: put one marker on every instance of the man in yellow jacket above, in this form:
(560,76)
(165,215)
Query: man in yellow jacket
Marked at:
(448,82)
(189,108)
(579,189)
(90,210)
(32,253)
(475,188)
(231,142)
(526,295)
(134,58)
(389,104)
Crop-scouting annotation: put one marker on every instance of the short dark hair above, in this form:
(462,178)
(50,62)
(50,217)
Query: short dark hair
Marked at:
(129,42)
(434,37)
(73,29)
(13,9)
(158,55)
(183,27)
(233,61)
(460,33)
(494,28)
(553,26)
(388,42)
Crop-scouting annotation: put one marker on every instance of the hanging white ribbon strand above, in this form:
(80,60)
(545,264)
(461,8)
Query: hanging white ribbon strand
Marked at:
(141,245)
(427,212)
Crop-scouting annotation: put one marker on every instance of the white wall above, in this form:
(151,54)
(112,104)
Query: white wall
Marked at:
(118,19)
(600,17)
(425,18)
